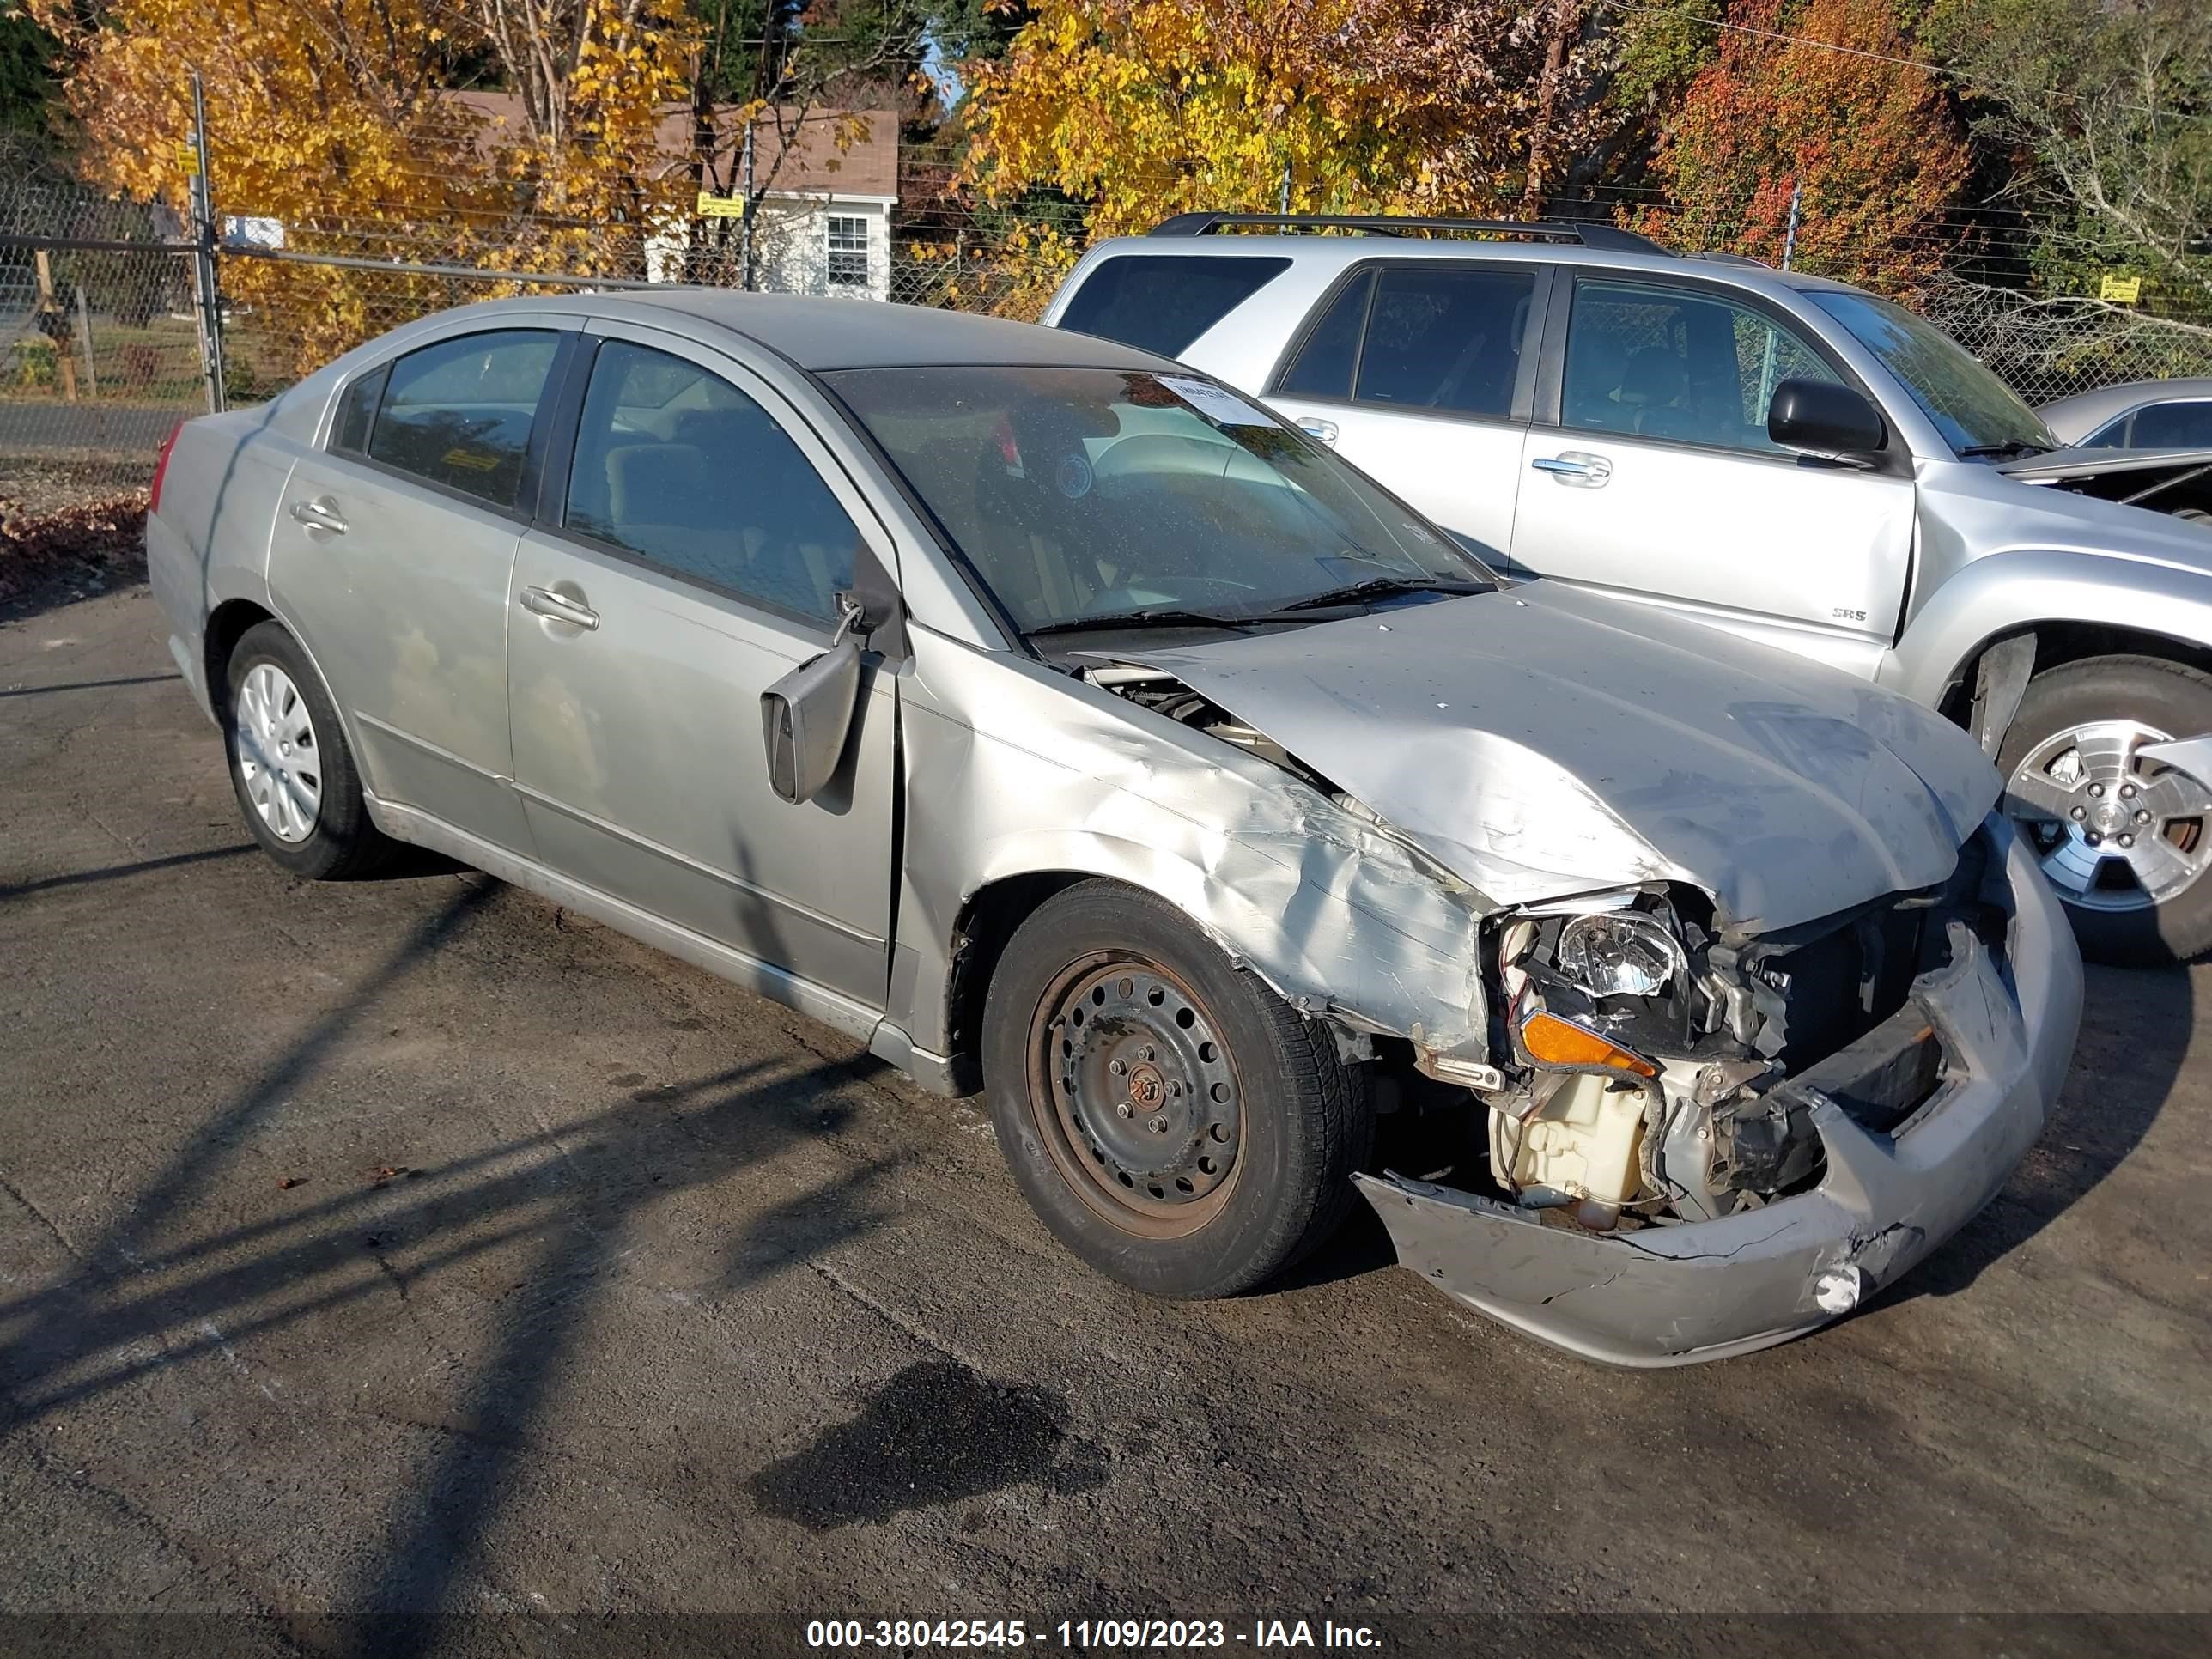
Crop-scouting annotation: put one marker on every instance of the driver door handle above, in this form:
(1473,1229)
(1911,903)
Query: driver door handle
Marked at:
(321,513)
(1314,426)
(559,607)
(1577,468)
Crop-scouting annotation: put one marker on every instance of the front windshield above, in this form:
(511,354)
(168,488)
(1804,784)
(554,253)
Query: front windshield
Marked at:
(1081,493)
(1976,413)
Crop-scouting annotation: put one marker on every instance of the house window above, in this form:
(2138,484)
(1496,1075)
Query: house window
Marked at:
(848,252)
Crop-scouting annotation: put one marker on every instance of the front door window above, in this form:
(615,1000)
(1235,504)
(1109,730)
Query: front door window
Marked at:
(1656,361)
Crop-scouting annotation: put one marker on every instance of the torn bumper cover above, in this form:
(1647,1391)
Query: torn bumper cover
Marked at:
(1676,1295)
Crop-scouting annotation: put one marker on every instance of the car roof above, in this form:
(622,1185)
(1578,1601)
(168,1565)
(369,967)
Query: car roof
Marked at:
(822,334)
(1345,250)
(2095,408)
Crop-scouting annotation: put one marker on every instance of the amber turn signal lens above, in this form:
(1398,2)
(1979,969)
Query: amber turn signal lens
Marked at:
(1556,1042)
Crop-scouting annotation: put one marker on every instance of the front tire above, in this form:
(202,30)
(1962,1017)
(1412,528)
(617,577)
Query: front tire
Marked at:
(297,786)
(1174,1123)
(2125,841)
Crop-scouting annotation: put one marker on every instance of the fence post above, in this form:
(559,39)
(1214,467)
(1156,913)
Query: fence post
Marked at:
(53,323)
(209,307)
(1790,235)
(746,224)
(84,335)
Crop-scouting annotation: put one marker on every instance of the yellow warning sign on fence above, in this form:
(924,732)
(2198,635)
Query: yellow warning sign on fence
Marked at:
(721,207)
(2120,291)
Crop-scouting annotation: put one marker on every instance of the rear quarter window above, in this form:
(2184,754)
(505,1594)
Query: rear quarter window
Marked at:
(1161,302)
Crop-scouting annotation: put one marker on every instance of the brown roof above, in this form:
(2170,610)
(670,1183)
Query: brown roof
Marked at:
(867,164)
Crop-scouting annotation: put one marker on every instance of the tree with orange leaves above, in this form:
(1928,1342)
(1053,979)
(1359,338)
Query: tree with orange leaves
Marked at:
(1871,145)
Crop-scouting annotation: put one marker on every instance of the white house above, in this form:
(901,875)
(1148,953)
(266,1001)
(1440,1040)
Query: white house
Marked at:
(824,222)
(831,178)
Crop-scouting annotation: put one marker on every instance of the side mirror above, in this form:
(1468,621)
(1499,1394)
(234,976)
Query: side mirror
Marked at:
(807,715)
(1822,418)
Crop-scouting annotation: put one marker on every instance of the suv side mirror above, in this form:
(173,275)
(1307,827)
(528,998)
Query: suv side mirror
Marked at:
(1821,417)
(806,716)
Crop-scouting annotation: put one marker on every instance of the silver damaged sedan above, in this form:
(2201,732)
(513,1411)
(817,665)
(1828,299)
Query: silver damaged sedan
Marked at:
(1056,722)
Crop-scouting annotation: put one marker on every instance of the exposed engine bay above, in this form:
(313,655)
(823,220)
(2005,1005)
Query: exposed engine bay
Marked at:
(1651,1052)
(1642,1051)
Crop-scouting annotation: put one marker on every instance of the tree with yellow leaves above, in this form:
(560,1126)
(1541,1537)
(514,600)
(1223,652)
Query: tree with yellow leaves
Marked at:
(338,118)
(1136,110)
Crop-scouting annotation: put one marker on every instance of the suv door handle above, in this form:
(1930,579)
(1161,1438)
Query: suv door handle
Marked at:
(559,607)
(1314,426)
(1576,467)
(321,513)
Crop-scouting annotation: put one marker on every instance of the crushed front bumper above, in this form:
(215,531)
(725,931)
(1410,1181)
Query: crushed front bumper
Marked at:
(1676,1295)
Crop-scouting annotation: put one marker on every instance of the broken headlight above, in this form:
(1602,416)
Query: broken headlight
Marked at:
(1620,953)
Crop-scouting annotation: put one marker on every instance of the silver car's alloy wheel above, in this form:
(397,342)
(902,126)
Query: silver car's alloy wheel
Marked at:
(279,759)
(2114,832)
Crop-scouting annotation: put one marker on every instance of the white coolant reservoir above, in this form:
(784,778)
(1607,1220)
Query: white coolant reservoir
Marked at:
(1583,1142)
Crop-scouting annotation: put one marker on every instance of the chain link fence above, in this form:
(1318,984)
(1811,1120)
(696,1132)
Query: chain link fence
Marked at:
(101,347)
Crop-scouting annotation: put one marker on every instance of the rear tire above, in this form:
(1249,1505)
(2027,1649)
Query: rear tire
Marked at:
(2070,753)
(298,788)
(1176,1124)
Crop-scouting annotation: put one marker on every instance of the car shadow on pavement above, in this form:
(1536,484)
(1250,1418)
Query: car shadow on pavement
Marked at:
(145,1296)
(119,871)
(2135,1032)
(7,692)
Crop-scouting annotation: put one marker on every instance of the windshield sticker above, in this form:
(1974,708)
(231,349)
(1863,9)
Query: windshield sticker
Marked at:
(1213,402)
(1073,476)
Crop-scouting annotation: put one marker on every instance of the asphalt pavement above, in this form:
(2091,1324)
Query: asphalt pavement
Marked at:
(415,1246)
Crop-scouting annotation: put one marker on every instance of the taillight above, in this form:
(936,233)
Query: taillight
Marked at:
(161,467)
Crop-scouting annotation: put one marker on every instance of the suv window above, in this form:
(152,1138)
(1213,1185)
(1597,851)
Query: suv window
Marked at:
(1324,364)
(1161,301)
(1669,363)
(1442,338)
(675,465)
(1446,337)
(458,413)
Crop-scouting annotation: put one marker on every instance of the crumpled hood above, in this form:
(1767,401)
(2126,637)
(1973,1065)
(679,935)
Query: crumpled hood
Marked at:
(1543,741)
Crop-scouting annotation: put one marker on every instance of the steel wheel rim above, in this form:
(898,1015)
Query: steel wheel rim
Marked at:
(1151,1146)
(280,763)
(2113,831)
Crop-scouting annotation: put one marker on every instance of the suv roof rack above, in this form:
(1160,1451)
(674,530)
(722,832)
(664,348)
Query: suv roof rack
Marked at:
(1597,236)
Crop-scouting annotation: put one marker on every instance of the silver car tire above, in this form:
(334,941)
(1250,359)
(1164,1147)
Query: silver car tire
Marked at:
(298,788)
(2126,844)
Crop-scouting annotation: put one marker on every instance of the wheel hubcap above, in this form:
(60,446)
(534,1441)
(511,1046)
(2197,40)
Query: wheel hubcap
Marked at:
(1139,1104)
(2113,831)
(279,761)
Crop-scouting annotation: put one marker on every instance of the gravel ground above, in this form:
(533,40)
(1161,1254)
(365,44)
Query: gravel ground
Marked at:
(413,1247)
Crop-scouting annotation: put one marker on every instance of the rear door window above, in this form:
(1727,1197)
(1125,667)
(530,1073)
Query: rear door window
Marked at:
(458,413)
(1440,338)
(1325,363)
(1161,302)
(1445,337)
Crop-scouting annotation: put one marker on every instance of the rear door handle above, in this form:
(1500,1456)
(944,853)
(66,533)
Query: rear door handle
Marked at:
(321,513)
(1314,426)
(1577,468)
(559,607)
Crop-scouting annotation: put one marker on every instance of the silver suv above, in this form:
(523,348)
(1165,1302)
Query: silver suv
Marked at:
(1791,459)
